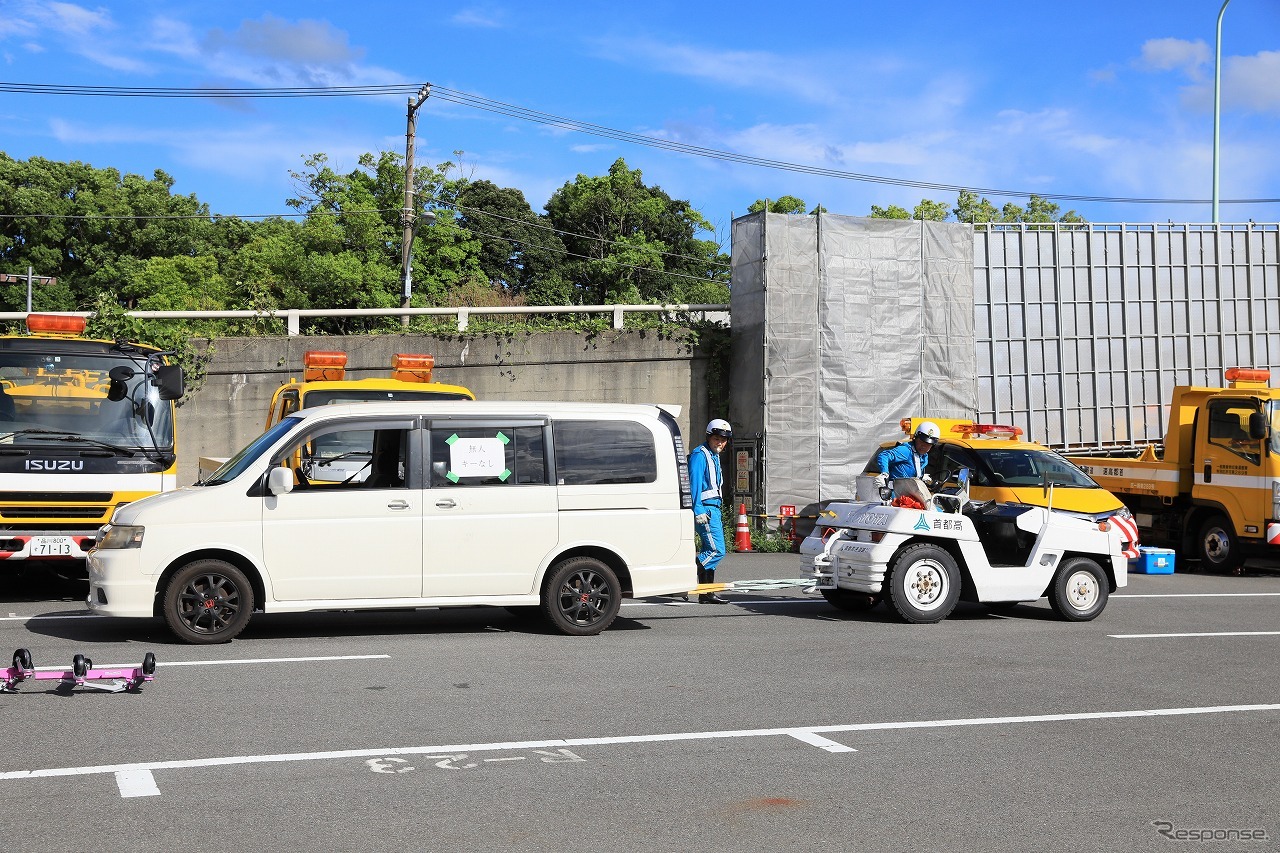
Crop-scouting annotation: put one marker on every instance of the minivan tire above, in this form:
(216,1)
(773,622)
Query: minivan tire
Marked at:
(208,601)
(581,597)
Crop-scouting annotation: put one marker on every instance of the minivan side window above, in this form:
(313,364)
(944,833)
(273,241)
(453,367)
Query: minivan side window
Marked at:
(591,453)
(487,456)
(339,456)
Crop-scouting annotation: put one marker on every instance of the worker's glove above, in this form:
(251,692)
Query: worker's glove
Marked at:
(882,480)
(702,518)
(928,481)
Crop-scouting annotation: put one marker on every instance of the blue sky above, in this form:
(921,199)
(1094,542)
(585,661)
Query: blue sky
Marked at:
(1093,97)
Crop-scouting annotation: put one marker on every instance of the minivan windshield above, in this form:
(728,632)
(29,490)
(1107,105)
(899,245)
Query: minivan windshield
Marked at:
(234,466)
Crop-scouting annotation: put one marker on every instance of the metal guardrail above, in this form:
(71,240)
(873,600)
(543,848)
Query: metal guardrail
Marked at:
(293,316)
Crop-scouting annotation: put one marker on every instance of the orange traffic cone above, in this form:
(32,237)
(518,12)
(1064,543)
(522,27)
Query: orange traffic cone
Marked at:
(742,536)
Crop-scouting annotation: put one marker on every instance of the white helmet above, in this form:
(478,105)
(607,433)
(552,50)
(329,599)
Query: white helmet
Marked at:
(928,432)
(720,427)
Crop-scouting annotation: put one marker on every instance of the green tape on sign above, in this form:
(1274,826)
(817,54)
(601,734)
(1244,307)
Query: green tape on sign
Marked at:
(451,439)
(504,475)
(451,477)
(503,439)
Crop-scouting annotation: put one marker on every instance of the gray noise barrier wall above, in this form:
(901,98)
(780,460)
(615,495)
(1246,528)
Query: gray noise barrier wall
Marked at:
(842,326)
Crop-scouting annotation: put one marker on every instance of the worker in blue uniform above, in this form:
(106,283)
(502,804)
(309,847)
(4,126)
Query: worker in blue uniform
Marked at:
(707,482)
(910,458)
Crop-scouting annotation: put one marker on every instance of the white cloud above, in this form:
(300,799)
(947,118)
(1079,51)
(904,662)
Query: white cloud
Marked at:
(1170,54)
(744,69)
(589,148)
(484,18)
(303,42)
(1251,81)
(71,19)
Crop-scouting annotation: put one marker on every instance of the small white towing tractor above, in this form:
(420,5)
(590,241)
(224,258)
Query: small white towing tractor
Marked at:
(924,552)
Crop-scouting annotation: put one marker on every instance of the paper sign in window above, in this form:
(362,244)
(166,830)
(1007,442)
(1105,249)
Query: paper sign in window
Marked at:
(478,457)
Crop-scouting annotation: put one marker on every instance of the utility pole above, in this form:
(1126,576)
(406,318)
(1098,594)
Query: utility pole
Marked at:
(30,278)
(406,213)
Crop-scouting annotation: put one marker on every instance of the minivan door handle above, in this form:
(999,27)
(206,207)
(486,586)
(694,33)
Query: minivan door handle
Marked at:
(445,503)
(398,505)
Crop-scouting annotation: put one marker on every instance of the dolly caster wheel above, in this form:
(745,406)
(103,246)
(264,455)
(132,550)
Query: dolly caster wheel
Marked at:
(148,664)
(79,666)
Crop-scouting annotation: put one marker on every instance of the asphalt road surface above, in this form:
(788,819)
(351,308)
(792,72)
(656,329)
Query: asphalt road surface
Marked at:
(772,723)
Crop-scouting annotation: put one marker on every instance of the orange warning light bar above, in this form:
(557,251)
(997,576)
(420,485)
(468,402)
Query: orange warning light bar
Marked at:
(412,368)
(55,324)
(321,364)
(1248,374)
(995,430)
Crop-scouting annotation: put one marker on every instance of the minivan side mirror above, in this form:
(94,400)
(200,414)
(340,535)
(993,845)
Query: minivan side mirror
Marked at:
(280,480)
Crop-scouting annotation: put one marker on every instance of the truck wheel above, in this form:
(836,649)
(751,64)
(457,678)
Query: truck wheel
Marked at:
(1079,590)
(847,599)
(924,583)
(582,597)
(1218,546)
(208,601)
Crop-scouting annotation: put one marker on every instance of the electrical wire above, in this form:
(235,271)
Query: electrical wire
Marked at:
(537,116)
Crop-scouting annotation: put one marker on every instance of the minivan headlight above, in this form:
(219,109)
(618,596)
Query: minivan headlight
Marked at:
(120,536)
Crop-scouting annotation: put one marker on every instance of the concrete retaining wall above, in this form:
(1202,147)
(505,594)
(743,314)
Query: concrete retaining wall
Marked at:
(230,408)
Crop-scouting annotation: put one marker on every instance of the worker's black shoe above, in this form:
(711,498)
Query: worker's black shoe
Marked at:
(711,598)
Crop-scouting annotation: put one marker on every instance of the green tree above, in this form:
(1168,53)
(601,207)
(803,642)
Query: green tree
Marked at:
(786,204)
(932,211)
(890,212)
(629,242)
(519,251)
(974,210)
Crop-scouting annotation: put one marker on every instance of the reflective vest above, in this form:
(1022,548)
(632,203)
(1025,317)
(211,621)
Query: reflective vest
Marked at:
(709,489)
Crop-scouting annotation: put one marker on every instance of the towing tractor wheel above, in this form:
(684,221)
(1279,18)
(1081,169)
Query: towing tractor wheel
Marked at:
(1218,546)
(582,596)
(847,599)
(924,583)
(79,666)
(1079,590)
(149,664)
(208,601)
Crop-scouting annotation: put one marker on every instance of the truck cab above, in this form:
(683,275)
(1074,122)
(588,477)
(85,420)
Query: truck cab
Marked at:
(324,382)
(1212,489)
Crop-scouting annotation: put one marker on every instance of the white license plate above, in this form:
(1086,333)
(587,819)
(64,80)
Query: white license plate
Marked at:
(51,546)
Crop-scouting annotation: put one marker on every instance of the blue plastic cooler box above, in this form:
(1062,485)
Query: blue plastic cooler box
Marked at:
(1153,561)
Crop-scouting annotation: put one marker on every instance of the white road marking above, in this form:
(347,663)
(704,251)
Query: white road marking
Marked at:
(1194,595)
(160,664)
(821,742)
(137,783)
(1196,634)
(804,733)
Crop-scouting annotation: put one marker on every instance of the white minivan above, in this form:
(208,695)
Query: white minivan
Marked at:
(564,506)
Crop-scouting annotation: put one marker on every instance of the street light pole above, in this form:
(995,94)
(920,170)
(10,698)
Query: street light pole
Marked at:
(1217,104)
(406,213)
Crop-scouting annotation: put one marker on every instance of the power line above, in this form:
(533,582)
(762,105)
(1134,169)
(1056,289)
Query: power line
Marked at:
(563,122)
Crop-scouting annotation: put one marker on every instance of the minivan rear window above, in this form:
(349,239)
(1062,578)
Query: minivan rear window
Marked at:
(592,453)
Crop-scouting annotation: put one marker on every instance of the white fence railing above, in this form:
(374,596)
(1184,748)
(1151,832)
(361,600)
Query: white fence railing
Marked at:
(293,316)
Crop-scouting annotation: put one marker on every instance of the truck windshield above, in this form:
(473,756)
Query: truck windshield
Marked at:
(1273,415)
(233,467)
(367,395)
(1029,467)
(56,395)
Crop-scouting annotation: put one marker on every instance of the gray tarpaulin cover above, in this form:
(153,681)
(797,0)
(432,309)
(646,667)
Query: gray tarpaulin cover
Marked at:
(842,326)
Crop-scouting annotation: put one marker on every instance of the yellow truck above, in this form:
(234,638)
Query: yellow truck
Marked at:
(1211,491)
(324,382)
(86,426)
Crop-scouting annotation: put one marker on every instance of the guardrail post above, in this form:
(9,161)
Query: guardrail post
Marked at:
(617,316)
(463,316)
(295,323)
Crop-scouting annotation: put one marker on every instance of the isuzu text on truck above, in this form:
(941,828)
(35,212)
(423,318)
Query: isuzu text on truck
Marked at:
(86,426)
(1211,491)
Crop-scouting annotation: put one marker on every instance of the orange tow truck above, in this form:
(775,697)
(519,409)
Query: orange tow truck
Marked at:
(1211,490)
